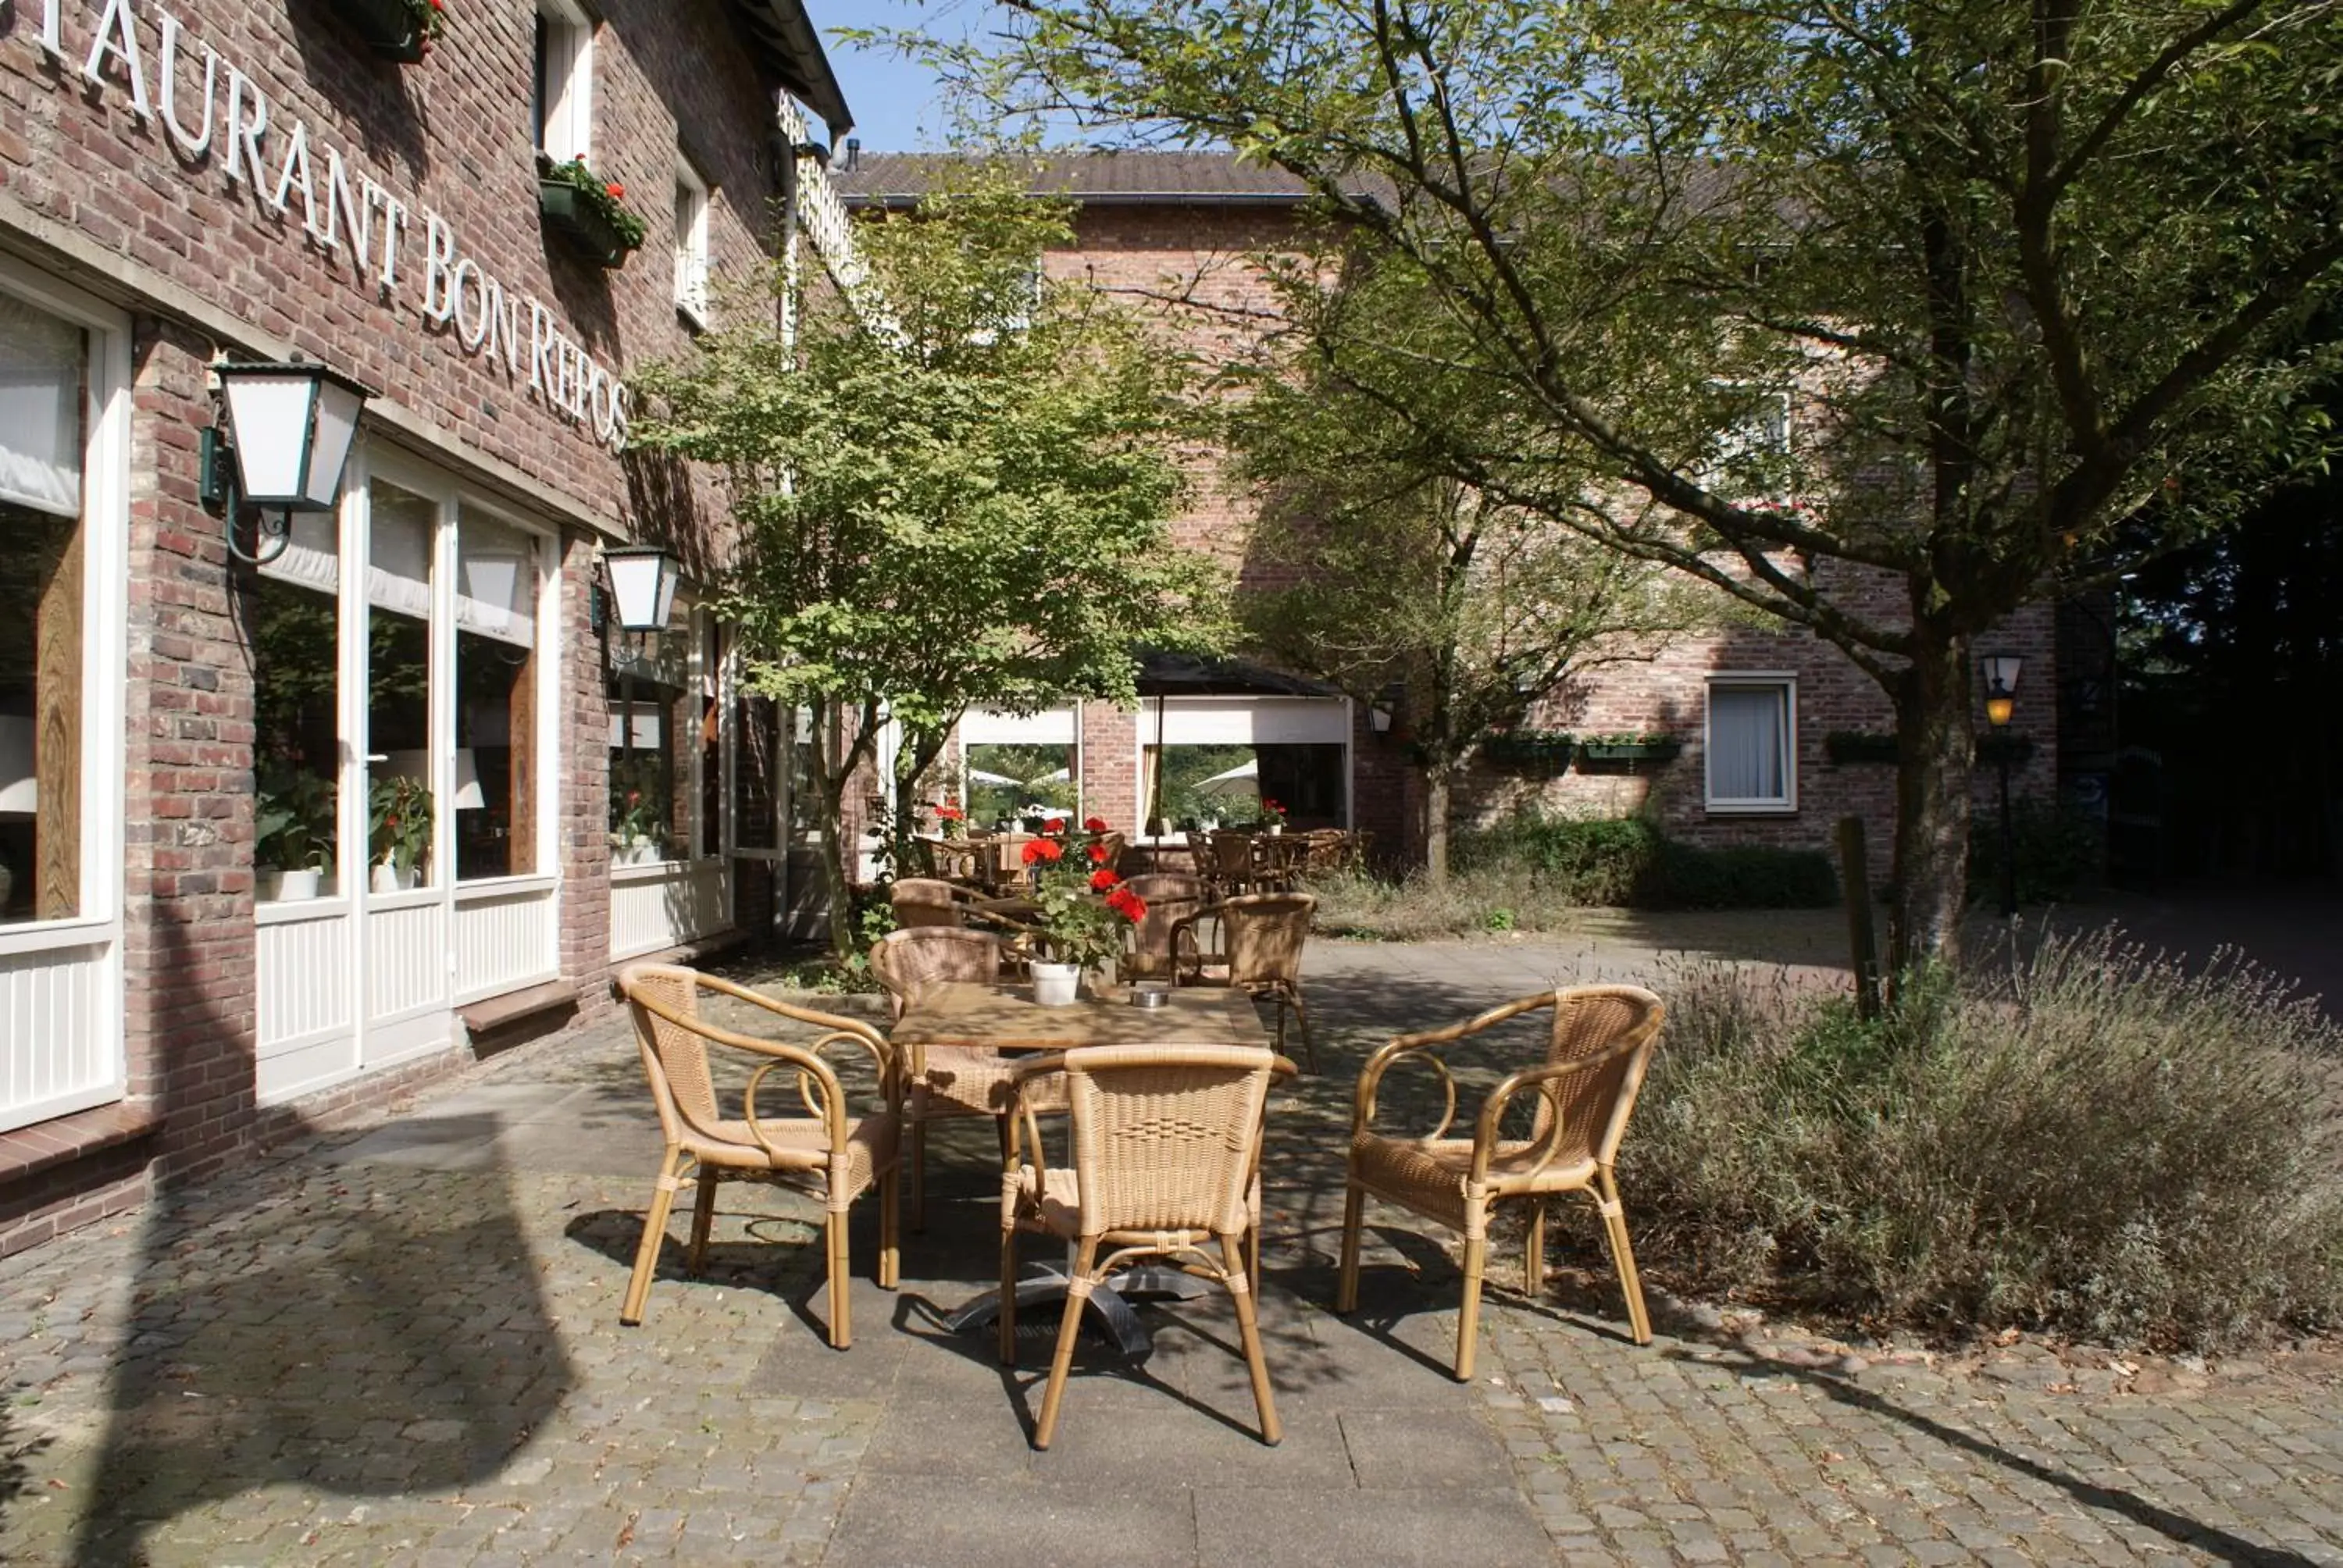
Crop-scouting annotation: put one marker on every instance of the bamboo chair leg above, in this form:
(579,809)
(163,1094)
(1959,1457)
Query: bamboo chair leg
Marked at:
(919,1177)
(1302,1016)
(1533,1255)
(1623,1256)
(1468,1319)
(630,1311)
(1252,1258)
(1070,1328)
(891,1228)
(1008,1296)
(703,1220)
(1346,1283)
(1249,1333)
(842,1328)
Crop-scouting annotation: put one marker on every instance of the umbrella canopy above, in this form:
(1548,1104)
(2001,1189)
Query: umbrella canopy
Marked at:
(979,776)
(1243,779)
(1055,776)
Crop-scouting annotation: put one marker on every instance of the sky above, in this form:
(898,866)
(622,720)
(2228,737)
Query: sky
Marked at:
(898,105)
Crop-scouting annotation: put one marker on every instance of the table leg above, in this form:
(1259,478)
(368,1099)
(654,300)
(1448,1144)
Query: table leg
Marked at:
(1110,1304)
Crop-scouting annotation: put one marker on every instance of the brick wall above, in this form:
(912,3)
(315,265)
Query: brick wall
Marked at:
(101,198)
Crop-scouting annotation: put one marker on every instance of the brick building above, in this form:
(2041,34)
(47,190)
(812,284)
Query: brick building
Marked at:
(1750,712)
(289,823)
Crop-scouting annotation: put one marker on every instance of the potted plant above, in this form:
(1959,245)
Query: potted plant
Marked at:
(1272,815)
(587,210)
(401,30)
(399,831)
(1085,908)
(1530,748)
(634,836)
(293,833)
(1597,752)
(950,820)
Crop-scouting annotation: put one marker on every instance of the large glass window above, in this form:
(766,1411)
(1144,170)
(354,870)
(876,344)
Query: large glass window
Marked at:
(562,85)
(1208,785)
(651,772)
(296,653)
(1751,749)
(401,805)
(496,692)
(42,396)
(1007,782)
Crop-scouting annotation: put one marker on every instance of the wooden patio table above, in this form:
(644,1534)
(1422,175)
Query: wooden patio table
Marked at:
(1001,1017)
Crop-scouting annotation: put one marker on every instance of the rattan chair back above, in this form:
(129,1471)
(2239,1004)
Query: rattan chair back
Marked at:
(907,961)
(1231,854)
(1170,899)
(926,901)
(1584,1115)
(675,1054)
(1264,934)
(1166,1138)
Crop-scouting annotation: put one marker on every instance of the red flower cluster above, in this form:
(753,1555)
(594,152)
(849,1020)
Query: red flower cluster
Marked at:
(1098,853)
(1042,852)
(1126,903)
(950,813)
(618,192)
(1102,879)
(1093,824)
(1054,825)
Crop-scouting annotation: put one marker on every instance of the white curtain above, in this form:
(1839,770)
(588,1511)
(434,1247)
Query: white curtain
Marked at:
(1747,726)
(495,581)
(41,362)
(400,526)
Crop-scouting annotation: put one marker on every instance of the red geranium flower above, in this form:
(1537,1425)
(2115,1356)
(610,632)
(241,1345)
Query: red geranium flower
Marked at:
(1102,879)
(1038,850)
(1093,824)
(1126,903)
(1054,825)
(950,813)
(618,192)
(1098,853)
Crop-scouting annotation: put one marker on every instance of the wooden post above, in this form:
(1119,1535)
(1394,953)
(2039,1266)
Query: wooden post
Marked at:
(1854,881)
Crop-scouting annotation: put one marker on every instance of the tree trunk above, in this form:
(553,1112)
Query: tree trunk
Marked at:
(830,774)
(1437,776)
(1932,802)
(918,753)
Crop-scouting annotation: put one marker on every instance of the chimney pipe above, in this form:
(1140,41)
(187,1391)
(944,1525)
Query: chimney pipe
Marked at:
(853,151)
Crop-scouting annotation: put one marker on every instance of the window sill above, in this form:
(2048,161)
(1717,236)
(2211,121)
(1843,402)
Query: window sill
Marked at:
(693,315)
(1752,807)
(45,1145)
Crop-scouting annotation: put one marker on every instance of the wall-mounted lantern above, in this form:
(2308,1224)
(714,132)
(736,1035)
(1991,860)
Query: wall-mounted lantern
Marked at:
(280,446)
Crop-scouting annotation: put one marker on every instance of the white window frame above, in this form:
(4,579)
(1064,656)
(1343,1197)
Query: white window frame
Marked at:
(690,243)
(1786,683)
(93,935)
(569,107)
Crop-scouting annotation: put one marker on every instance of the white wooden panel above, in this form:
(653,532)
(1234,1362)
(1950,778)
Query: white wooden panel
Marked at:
(979,727)
(305,1067)
(504,941)
(60,1033)
(666,905)
(306,986)
(1251,722)
(406,959)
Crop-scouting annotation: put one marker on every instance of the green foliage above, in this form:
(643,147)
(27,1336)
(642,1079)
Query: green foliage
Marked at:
(640,790)
(2061,852)
(1627,862)
(604,196)
(2090,1142)
(399,822)
(292,819)
(2018,269)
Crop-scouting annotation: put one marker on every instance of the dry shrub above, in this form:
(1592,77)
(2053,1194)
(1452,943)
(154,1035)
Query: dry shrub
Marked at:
(2088,1141)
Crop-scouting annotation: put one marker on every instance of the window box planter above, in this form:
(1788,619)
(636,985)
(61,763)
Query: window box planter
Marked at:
(1626,756)
(1857,746)
(568,212)
(389,27)
(1530,749)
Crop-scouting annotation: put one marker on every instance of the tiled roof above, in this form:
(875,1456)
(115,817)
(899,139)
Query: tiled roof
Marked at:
(1181,178)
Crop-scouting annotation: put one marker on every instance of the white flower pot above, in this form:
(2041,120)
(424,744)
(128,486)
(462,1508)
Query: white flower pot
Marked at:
(287,887)
(390,878)
(1056,985)
(1276,828)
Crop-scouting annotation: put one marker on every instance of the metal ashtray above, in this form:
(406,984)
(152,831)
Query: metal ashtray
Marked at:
(1146,995)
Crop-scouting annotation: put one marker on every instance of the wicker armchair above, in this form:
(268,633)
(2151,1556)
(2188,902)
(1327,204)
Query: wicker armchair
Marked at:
(829,1154)
(1166,1160)
(1261,935)
(929,901)
(942,1081)
(1600,1043)
(1225,860)
(1170,899)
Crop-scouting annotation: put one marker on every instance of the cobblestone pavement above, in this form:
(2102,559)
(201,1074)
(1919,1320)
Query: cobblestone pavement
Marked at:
(398,1343)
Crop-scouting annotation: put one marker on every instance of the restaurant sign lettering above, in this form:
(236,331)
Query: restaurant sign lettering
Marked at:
(392,243)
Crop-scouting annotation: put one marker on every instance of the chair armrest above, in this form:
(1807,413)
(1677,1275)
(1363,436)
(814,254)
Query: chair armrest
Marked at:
(1022,1124)
(818,1084)
(1363,1109)
(883,1054)
(1493,1108)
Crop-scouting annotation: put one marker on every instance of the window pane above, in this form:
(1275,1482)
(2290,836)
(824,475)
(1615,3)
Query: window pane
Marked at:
(40,438)
(399,799)
(1006,783)
(40,715)
(1746,728)
(294,657)
(648,702)
(496,698)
